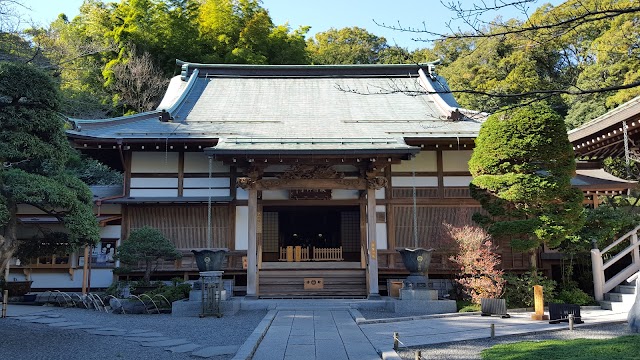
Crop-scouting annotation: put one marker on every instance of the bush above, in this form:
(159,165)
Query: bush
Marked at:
(467,306)
(518,291)
(178,290)
(574,296)
(479,275)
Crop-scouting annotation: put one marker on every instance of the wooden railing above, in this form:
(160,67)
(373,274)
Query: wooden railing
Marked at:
(327,254)
(600,284)
(299,253)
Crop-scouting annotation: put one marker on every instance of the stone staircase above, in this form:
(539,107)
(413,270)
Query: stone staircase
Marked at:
(621,298)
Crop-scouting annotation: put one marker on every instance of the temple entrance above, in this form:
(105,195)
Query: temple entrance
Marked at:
(311,234)
(311,252)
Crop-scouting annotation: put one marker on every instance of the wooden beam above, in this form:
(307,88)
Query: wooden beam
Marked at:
(351,184)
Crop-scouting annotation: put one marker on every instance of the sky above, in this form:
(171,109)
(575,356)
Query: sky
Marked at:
(322,15)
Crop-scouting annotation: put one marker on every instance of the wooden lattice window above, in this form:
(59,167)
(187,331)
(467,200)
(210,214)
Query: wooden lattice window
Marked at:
(185,226)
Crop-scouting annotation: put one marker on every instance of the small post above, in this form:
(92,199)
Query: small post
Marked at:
(571,319)
(5,299)
(538,302)
(418,355)
(396,341)
(493,330)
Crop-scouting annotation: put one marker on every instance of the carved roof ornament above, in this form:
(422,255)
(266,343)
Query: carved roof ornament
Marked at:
(245,183)
(377,182)
(456,115)
(311,172)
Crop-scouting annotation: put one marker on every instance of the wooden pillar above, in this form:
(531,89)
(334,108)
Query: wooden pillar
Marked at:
(252,260)
(85,270)
(372,246)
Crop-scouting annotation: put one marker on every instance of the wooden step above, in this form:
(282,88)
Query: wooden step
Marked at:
(342,283)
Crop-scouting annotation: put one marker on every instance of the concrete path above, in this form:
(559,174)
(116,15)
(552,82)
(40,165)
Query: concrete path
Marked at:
(436,330)
(325,334)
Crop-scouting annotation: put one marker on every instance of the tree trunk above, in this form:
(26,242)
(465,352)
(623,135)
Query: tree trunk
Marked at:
(147,272)
(8,241)
(533,259)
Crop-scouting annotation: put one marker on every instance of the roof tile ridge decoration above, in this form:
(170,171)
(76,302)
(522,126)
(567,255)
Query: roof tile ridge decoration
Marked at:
(436,86)
(79,124)
(173,108)
(627,105)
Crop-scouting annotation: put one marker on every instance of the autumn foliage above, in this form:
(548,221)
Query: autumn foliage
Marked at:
(480,276)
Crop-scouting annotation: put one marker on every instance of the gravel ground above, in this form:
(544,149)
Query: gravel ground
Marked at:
(23,340)
(471,349)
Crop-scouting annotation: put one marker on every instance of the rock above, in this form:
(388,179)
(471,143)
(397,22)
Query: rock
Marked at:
(130,306)
(634,314)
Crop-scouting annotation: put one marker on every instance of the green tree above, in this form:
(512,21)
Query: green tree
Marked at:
(148,245)
(522,166)
(33,154)
(352,45)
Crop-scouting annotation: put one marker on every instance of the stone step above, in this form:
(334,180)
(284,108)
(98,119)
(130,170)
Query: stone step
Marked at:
(625,289)
(620,297)
(616,306)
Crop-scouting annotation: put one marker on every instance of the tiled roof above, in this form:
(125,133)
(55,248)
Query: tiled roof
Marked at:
(297,107)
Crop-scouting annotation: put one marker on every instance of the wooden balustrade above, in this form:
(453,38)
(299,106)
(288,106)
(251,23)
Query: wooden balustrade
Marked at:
(598,265)
(299,253)
(327,254)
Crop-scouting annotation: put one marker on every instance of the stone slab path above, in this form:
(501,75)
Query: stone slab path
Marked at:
(146,338)
(327,334)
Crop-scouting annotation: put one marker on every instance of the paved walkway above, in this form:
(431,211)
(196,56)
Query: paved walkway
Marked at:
(314,335)
(330,333)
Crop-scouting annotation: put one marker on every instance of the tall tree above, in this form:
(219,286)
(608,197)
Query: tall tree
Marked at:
(33,154)
(580,56)
(352,45)
(522,166)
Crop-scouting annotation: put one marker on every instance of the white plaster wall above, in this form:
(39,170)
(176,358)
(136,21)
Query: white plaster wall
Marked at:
(457,180)
(205,182)
(205,192)
(242,194)
(111,232)
(381,236)
(153,192)
(456,160)
(154,183)
(198,162)
(340,194)
(381,208)
(275,195)
(380,193)
(423,161)
(100,278)
(409,181)
(242,227)
(154,162)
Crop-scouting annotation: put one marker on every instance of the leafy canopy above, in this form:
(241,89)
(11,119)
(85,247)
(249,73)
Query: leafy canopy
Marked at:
(146,244)
(33,154)
(522,166)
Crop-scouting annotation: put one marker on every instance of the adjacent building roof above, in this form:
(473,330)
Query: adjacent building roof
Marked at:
(600,180)
(297,108)
(604,136)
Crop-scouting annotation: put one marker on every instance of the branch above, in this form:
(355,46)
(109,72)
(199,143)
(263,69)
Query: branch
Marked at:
(586,17)
(406,91)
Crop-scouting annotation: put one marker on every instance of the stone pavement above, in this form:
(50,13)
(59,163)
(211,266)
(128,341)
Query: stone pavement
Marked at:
(324,334)
(333,332)
(420,331)
(48,316)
